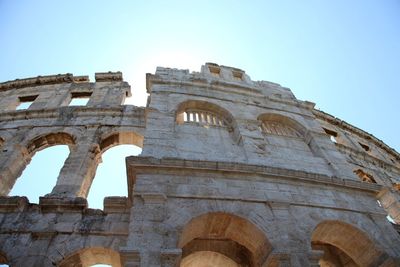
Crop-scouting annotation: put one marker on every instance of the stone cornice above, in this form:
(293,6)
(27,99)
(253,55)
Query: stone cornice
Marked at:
(228,88)
(43,80)
(366,157)
(60,79)
(75,112)
(142,163)
(361,133)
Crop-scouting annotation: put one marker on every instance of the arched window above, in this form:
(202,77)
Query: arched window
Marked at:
(41,165)
(203,117)
(275,124)
(110,178)
(273,127)
(207,114)
(203,113)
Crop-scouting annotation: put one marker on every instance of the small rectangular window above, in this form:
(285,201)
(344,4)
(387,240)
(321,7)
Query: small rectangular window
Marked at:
(332,134)
(80,98)
(364,146)
(237,75)
(215,71)
(26,101)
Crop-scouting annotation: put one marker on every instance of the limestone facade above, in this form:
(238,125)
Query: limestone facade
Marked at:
(233,172)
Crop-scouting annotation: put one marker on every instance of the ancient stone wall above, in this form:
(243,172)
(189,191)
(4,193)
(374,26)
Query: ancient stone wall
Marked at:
(233,172)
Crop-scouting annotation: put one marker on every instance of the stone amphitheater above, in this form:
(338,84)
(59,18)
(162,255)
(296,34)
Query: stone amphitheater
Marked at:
(233,172)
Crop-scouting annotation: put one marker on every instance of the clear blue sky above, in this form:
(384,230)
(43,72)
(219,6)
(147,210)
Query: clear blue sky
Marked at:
(342,55)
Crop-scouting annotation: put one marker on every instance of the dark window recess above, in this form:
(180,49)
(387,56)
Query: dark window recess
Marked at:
(215,71)
(365,177)
(332,134)
(26,101)
(364,146)
(237,75)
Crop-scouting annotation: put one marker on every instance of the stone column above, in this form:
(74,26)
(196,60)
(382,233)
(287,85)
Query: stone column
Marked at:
(147,231)
(78,171)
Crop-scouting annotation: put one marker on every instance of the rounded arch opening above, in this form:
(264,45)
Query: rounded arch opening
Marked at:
(344,243)
(281,125)
(110,178)
(51,139)
(206,113)
(39,168)
(120,138)
(229,235)
(91,257)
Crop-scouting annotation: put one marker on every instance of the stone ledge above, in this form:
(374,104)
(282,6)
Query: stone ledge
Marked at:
(43,80)
(153,198)
(55,204)
(361,133)
(138,162)
(13,204)
(116,205)
(108,76)
(76,112)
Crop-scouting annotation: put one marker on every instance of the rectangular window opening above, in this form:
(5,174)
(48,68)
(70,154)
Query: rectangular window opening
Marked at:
(215,71)
(332,134)
(80,98)
(26,101)
(364,146)
(237,75)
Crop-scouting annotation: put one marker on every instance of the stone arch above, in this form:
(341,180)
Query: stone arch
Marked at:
(120,138)
(98,185)
(226,234)
(288,125)
(90,256)
(21,157)
(51,139)
(218,115)
(348,242)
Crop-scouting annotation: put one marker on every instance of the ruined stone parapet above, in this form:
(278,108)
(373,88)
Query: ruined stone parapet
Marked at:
(43,80)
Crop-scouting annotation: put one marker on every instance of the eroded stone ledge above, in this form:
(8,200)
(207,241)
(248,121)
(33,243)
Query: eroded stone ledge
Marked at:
(175,163)
(363,134)
(43,80)
(53,204)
